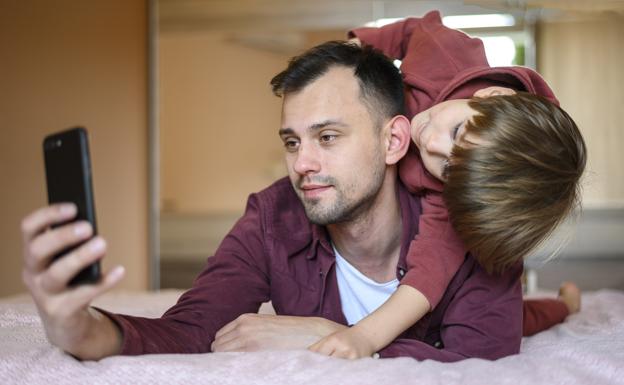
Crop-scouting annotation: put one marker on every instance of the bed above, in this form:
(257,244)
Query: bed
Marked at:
(587,349)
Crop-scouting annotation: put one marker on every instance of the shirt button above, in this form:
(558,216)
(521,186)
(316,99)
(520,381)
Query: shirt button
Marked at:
(401,272)
(375,356)
(437,344)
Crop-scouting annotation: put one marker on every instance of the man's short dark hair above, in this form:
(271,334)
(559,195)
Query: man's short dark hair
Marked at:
(381,86)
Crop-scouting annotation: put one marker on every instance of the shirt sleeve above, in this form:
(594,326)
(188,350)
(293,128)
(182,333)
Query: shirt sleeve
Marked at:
(541,314)
(436,253)
(391,39)
(483,319)
(235,281)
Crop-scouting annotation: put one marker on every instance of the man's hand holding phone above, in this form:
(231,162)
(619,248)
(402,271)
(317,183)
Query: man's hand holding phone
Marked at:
(68,321)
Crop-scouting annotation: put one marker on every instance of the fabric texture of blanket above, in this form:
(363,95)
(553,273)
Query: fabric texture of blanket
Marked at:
(587,349)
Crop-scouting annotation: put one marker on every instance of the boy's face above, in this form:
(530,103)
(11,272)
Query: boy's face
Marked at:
(436,130)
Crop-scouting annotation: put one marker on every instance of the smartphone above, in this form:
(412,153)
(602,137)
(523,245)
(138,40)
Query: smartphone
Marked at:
(68,177)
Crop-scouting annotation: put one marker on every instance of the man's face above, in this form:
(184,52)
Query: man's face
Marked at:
(334,152)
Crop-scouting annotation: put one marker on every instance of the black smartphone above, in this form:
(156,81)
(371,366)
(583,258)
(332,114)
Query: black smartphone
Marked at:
(68,177)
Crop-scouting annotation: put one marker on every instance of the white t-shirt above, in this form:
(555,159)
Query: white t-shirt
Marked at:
(359,294)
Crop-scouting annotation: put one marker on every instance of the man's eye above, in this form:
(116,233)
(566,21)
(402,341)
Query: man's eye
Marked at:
(327,138)
(291,145)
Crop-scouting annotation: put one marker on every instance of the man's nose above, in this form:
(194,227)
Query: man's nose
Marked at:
(306,160)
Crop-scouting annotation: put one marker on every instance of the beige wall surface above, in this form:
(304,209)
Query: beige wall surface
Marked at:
(218,122)
(583,61)
(65,63)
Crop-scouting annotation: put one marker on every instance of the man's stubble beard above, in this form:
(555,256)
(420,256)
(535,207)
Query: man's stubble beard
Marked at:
(344,209)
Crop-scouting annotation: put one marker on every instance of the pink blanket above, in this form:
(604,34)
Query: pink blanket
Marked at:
(587,349)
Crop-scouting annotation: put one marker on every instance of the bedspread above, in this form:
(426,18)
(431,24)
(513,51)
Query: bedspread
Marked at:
(587,349)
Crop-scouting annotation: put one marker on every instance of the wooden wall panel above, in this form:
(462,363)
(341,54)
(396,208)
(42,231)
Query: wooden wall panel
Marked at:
(583,61)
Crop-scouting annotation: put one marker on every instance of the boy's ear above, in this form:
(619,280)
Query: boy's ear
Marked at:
(396,138)
(493,91)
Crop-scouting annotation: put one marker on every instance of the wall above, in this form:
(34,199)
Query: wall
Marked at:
(583,61)
(65,63)
(219,122)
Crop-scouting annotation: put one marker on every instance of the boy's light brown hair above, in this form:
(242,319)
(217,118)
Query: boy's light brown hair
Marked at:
(507,194)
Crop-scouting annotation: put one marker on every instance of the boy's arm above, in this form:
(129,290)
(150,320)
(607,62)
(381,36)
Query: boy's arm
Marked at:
(432,56)
(436,253)
(391,39)
(483,319)
(403,309)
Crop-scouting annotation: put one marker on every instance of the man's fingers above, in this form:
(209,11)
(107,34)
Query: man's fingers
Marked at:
(324,347)
(229,346)
(57,276)
(83,295)
(226,339)
(38,221)
(42,248)
(238,335)
(222,343)
(240,320)
(226,329)
(231,342)
(315,346)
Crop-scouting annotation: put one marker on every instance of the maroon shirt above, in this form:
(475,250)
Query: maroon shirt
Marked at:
(274,253)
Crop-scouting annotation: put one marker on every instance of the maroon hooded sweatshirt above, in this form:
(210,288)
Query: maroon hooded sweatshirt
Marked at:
(438,64)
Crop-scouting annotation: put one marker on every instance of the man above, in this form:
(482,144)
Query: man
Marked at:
(343,132)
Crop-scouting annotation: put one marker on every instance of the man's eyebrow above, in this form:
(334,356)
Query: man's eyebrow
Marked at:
(313,127)
(285,131)
(329,122)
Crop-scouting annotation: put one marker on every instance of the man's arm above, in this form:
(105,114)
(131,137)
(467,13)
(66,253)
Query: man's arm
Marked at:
(235,281)
(483,319)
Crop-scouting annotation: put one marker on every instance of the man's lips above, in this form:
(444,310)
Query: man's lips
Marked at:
(313,190)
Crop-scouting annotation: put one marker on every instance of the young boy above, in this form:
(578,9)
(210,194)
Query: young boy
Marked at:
(507,163)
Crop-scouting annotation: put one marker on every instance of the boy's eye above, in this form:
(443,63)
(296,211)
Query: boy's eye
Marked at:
(445,170)
(456,130)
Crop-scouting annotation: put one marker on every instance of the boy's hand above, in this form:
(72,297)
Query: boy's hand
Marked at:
(355,41)
(348,343)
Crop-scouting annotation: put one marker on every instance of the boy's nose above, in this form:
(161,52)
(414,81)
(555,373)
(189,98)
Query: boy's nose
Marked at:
(439,145)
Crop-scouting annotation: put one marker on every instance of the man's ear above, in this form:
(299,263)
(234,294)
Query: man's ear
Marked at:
(396,138)
(493,91)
